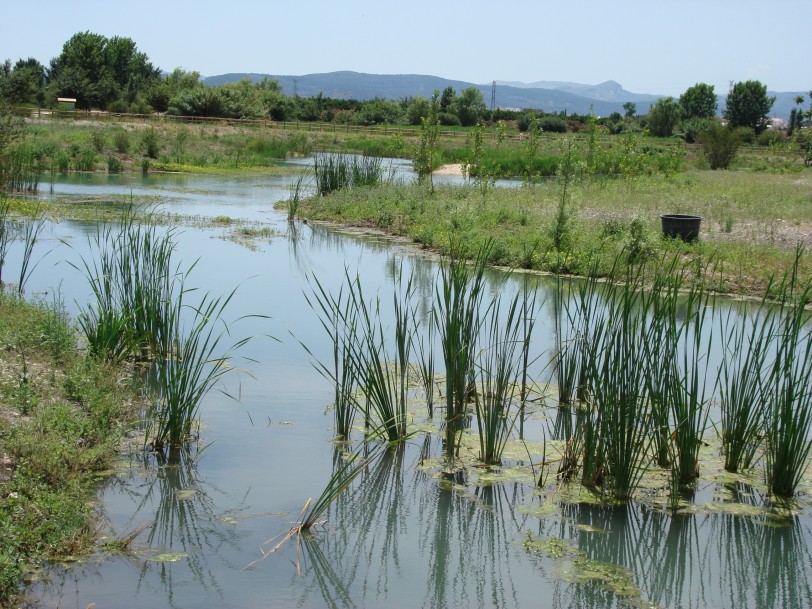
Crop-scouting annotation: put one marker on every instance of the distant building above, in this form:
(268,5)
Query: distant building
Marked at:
(777,123)
(66,103)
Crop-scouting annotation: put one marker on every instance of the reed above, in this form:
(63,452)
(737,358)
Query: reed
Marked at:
(497,368)
(296,193)
(7,231)
(190,365)
(742,385)
(457,315)
(30,233)
(132,276)
(790,412)
(339,318)
(426,366)
(384,377)
(617,418)
(336,171)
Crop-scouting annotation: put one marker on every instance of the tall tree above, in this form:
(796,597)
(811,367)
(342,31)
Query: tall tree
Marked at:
(698,101)
(470,106)
(97,70)
(748,105)
(663,117)
(630,108)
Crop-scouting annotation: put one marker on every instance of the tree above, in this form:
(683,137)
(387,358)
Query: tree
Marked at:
(748,105)
(447,99)
(97,70)
(698,101)
(470,106)
(630,108)
(663,117)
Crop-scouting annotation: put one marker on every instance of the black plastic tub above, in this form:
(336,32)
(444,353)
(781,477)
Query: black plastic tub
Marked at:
(681,226)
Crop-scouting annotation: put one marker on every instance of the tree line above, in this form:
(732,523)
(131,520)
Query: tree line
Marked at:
(113,74)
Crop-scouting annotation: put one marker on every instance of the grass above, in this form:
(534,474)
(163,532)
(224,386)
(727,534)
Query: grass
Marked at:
(46,512)
(769,214)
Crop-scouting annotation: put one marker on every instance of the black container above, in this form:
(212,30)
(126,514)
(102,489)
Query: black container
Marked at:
(681,226)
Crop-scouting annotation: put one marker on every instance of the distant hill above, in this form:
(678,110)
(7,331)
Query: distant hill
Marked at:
(550,96)
(356,85)
(607,91)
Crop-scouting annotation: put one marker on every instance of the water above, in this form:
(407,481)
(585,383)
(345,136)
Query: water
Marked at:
(400,537)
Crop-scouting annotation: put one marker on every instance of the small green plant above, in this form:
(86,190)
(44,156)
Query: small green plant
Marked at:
(121,141)
(114,164)
(425,154)
(145,166)
(150,143)
(98,140)
(720,145)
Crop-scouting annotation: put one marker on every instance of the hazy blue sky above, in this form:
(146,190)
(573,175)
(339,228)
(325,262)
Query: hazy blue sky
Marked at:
(657,46)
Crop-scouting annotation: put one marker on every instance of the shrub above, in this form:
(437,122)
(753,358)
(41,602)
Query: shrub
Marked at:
(85,160)
(691,128)
(747,135)
(150,144)
(114,164)
(98,140)
(119,107)
(121,141)
(770,137)
(553,124)
(720,145)
(449,120)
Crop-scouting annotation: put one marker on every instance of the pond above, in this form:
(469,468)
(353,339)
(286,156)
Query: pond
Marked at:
(402,535)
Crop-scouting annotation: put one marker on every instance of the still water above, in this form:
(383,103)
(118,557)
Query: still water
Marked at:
(399,537)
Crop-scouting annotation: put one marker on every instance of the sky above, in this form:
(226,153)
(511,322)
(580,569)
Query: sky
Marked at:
(654,46)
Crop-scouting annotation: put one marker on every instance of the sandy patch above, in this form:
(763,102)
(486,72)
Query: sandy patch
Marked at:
(452,169)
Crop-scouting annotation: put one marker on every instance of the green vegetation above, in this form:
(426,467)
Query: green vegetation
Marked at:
(748,105)
(62,418)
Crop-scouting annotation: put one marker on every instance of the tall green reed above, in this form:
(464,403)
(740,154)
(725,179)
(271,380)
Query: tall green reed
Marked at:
(192,361)
(339,318)
(29,234)
(7,231)
(457,316)
(336,171)
(742,382)
(790,414)
(498,365)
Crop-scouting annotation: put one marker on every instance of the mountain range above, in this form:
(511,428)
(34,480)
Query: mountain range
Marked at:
(550,96)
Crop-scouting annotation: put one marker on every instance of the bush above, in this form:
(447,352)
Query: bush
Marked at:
(119,107)
(114,164)
(150,144)
(747,135)
(770,137)
(553,124)
(691,128)
(449,120)
(121,141)
(720,145)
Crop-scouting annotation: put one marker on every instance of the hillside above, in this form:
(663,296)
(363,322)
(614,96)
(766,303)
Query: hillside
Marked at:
(550,96)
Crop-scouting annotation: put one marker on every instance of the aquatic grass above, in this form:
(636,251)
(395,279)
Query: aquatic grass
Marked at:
(132,276)
(192,361)
(426,366)
(384,378)
(790,413)
(618,398)
(346,468)
(498,365)
(743,382)
(7,232)
(457,315)
(295,197)
(339,318)
(337,171)
(30,233)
